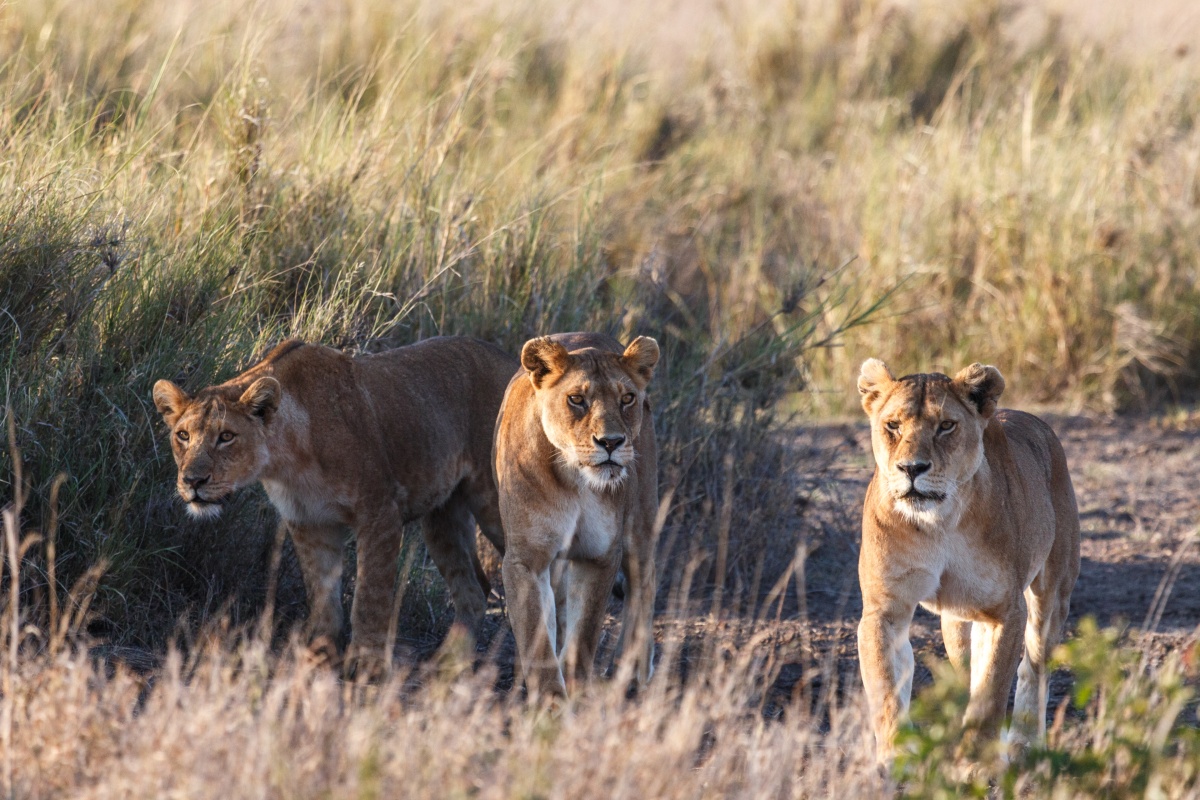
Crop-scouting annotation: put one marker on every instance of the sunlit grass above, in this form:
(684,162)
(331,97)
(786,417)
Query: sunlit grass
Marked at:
(773,191)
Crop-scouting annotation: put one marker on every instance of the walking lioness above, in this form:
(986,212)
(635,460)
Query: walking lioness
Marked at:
(370,443)
(972,515)
(577,471)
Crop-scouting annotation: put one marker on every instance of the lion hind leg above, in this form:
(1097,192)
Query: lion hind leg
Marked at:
(635,646)
(588,585)
(449,534)
(483,500)
(1049,601)
(560,580)
(1048,608)
(956,635)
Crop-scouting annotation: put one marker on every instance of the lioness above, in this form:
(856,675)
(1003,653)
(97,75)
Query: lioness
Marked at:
(971,514)
(370,442)
(577,470)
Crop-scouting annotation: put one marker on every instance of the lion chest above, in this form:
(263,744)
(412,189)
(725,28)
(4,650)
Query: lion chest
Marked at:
(589,527)
(971,584)
(304,502)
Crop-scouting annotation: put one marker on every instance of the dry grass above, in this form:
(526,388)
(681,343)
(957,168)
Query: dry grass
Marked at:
(184,186)
(774,191)
(246,724)
(237,718)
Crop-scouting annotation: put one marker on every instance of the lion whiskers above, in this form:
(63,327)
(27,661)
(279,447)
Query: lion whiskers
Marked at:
(599,476)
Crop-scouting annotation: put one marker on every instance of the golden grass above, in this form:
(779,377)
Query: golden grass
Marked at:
(238,719)
(246,724)
(182,184)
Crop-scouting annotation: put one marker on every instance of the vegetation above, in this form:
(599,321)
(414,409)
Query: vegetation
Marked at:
(175,202)
(774,194)
(236,716)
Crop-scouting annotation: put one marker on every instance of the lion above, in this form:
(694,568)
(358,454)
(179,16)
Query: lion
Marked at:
(370,443)
(576,466)
(971,514)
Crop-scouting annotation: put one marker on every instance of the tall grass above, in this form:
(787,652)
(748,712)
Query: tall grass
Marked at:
(773,191)
(183,185)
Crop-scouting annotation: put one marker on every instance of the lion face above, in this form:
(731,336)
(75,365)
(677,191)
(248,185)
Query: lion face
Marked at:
(218,439)
(927,434)
(591,404)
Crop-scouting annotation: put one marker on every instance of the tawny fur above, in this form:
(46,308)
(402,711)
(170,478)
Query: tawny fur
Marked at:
(987,536)
(573,511)
(369,443)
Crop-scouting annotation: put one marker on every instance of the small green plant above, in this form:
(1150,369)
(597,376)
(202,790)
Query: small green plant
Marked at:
(935,753)
(1128,736)
(1137,742)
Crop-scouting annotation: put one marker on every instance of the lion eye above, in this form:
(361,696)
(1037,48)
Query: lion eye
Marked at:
(226,436)
(575,400)
(892,425)
(947,426)
(182,436)
(628,398)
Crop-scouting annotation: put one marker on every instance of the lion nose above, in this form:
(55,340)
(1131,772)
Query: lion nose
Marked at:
(196,482)
(913,468)
(610,443)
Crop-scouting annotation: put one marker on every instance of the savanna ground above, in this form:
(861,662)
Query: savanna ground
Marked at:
(775,191)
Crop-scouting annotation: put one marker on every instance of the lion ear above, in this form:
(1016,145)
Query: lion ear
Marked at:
(170,400)
(262,398)
(641,356)
(980,386)
(873,378)
(543,357)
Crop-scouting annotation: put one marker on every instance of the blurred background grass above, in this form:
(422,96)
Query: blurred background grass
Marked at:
(776,191)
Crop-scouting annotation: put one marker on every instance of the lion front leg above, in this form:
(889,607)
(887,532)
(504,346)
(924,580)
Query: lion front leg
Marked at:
(885,658)
(995,653)
(532,614)
(373,608)
(319,551)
